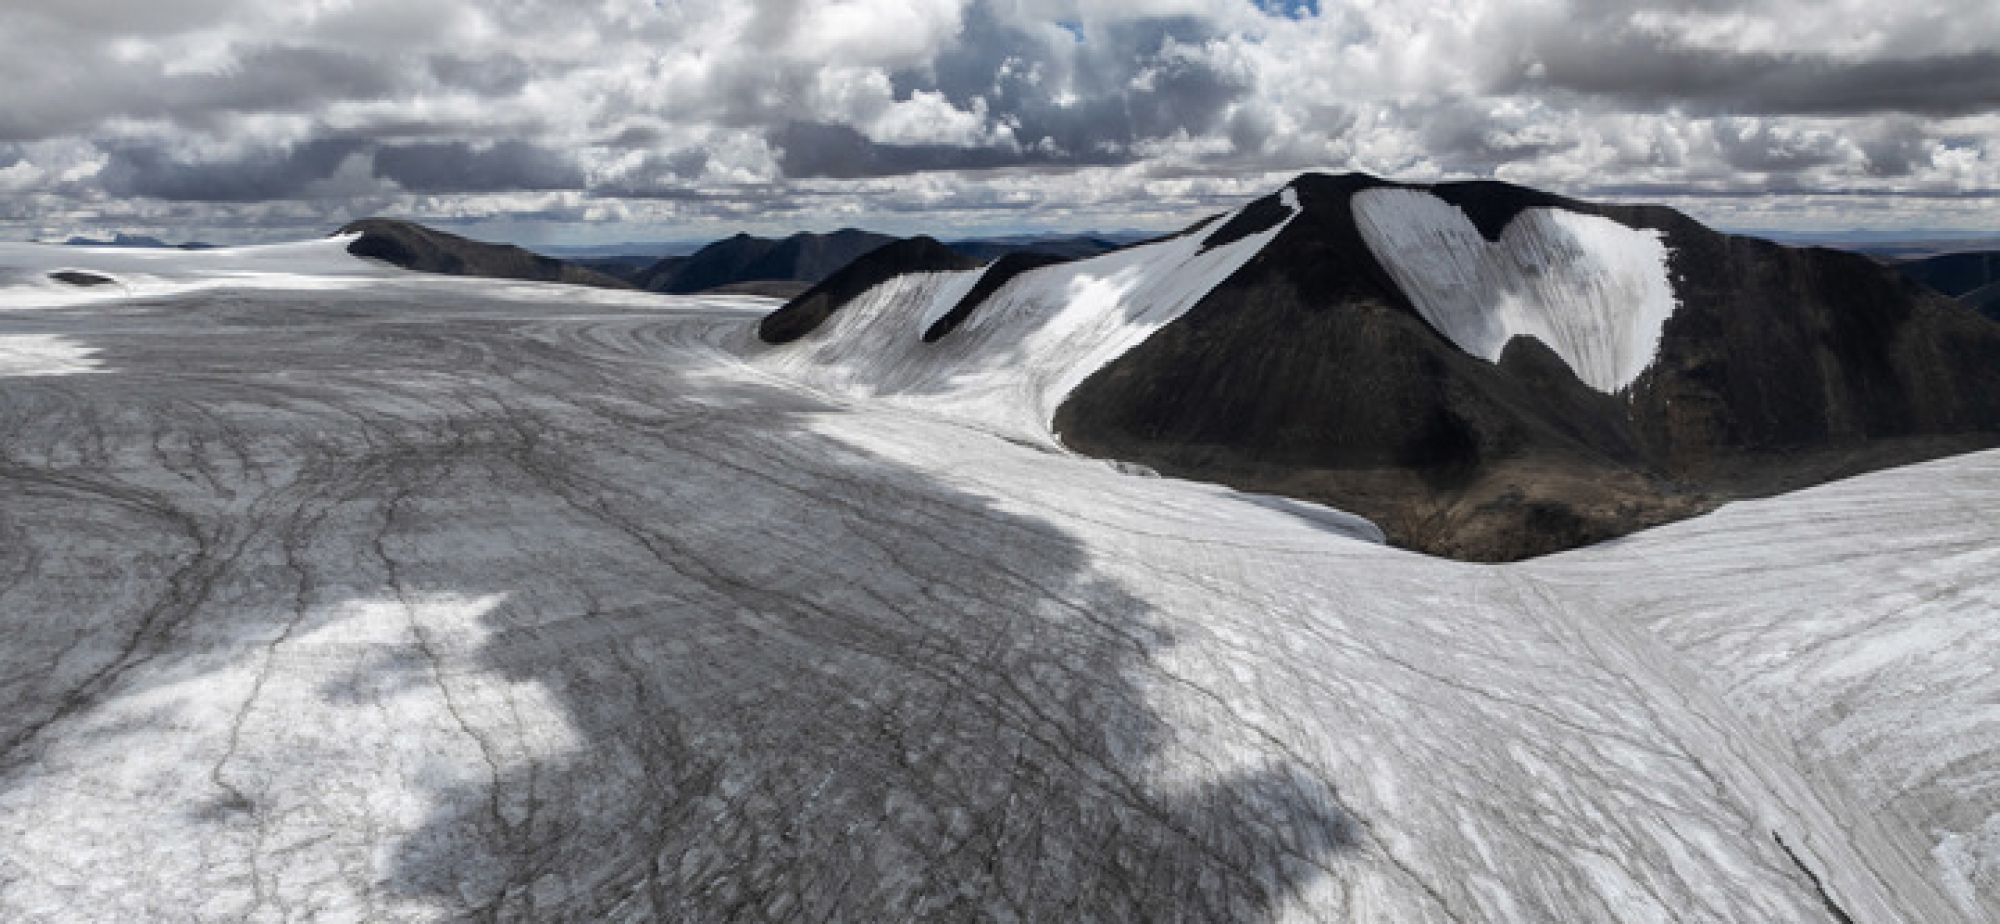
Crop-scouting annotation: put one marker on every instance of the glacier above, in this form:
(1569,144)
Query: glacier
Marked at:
(342,593)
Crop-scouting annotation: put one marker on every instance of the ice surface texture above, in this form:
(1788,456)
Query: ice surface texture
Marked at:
(419,598)
(1595,291)
(1028,345)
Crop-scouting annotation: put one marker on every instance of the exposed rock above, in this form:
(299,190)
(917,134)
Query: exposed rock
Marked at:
(81,279)
(415,247)
(803,314)
(1311,373)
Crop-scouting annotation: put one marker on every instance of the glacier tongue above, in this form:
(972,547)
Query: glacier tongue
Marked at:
(1595,291)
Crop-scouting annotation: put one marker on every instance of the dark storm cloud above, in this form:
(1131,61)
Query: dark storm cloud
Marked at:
(493,75)
(808,149)
(1893,157)
(1462,134)
(1124,83)
(274,78)
(1762,150)
(660,177)
(1645,71)
(279,78)
(149,171)
(460,167)
(153,173)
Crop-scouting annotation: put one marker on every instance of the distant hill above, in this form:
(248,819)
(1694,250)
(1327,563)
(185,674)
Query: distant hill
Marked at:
(1972,278)
(428,250)
(624,266)
(136,241)
(807,258)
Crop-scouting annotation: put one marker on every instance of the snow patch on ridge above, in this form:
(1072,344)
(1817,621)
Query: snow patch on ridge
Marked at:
(1029,344)
(1595,291)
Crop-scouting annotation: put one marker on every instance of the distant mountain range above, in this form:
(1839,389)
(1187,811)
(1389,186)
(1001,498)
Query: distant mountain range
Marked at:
(805,259)
(1972,278)
(136,241)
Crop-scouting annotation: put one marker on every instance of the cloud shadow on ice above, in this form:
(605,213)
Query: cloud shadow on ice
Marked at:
(803,681)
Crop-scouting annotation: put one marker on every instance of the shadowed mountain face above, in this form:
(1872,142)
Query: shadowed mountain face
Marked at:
(1486,371)
(785,268)
(1312,373)
(1972,278)
(427,250)
(805,313)
(805,258)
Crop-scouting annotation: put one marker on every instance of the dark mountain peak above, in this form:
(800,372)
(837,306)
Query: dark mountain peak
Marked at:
(427,250)
(1258,217)
(1312,372)
(803,257)
(804,314)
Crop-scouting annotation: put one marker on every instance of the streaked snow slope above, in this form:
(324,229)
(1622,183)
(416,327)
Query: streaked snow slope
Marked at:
(1595,291)
(435,598)
(140,272)
(1032,342)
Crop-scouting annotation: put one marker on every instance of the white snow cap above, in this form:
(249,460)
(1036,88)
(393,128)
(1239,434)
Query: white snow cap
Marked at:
(1595,291)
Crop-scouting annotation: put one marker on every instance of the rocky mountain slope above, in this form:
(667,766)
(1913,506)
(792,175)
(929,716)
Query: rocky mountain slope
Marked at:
(1973,278)
(415,247)
(1488,372)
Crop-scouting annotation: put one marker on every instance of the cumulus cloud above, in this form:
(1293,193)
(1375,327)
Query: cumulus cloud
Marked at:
(255,118)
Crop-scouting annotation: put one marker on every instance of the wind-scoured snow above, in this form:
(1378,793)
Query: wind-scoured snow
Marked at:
(438,599)
(1593,290)
(1031,343)
(26,270)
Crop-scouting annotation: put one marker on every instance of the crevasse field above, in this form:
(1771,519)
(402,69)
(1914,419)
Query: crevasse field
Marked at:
(333,592)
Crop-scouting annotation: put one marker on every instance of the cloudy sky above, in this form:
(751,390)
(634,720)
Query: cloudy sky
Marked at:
(596,120)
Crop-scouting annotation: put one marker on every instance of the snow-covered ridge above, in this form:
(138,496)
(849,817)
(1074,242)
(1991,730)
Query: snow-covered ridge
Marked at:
(1595,291)
(1032,342)
(25,280)
(27,274)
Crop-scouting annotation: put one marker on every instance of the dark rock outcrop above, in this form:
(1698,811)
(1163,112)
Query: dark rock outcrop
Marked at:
(81,279)
(997,274)
(804,314)
(1309,373)
(427,250)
